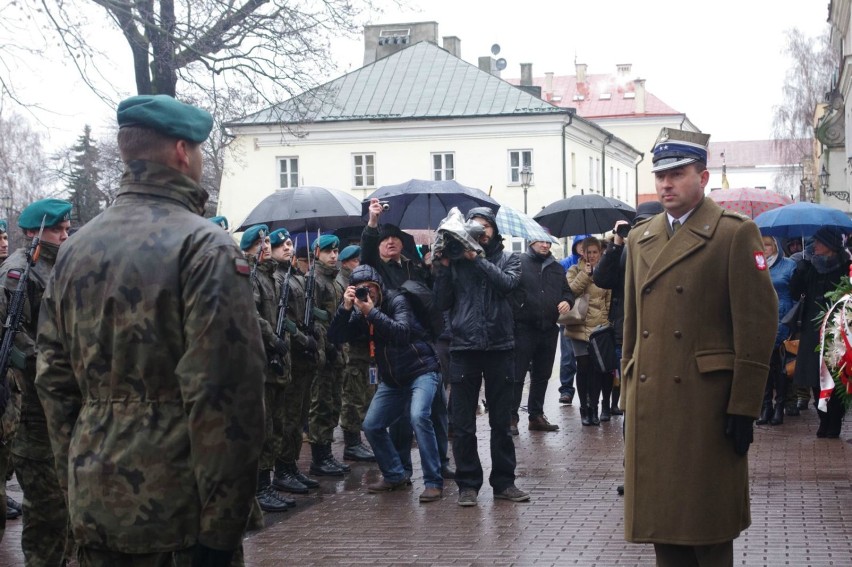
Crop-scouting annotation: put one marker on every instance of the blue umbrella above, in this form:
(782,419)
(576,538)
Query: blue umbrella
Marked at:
(419,204)
(512,222)
(800,220)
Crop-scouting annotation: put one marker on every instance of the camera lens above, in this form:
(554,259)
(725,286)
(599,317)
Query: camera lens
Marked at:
(362,293)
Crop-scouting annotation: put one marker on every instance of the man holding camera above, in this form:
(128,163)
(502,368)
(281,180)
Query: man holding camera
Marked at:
(476,289)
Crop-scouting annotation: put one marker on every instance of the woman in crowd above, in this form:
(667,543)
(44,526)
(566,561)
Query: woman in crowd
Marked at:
(780,270)
(590,381)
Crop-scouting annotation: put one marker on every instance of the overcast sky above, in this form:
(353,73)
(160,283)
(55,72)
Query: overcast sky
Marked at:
(721,64)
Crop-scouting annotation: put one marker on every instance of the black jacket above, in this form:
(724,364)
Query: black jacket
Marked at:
(393,274)
(542,287)
(477,294)
(609,274)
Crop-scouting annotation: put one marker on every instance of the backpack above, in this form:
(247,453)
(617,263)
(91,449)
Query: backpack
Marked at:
(423,304)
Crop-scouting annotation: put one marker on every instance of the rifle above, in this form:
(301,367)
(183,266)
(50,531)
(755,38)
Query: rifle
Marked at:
(309,296)
(14,314)
(275,360)
(253,274)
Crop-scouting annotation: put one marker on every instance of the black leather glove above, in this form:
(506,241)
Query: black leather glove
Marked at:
(740,428)
(203,556)
(279,345)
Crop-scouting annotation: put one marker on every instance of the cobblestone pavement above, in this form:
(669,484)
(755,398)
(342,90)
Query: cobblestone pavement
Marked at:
(801,490)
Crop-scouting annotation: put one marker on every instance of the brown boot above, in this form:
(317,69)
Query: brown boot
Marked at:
(540,423)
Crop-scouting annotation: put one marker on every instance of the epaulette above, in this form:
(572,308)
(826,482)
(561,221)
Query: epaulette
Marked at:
(735,214)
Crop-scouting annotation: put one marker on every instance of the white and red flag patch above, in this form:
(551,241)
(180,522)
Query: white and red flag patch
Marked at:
(759,260)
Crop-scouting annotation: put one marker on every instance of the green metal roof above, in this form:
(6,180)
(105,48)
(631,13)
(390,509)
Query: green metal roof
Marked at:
(421,81)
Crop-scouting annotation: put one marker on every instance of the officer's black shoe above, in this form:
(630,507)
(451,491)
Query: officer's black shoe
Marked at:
(321,462)
(285,480)
(620,489)
(304,479)
(270,502)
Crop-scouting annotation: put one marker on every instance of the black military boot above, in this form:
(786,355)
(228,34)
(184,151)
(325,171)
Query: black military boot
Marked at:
(765,414)
(321,465)
(355,450)
(285,480)
(266,496)
(778,416)
(342,466)
(303,478)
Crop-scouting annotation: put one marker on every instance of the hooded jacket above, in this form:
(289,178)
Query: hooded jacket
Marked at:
(477,294)
(781,272)
(402,350)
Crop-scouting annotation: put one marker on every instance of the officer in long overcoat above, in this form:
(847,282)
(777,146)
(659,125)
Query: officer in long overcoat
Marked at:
(700,320)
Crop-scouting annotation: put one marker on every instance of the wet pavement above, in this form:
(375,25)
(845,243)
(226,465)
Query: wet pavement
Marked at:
(801,490)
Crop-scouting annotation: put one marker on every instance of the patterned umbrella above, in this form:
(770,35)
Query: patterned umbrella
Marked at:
(512,222)
(748,201)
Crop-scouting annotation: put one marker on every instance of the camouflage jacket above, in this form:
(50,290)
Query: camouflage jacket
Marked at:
(329,294)
(266,300)
(295,308)
(23,379)
(150,366)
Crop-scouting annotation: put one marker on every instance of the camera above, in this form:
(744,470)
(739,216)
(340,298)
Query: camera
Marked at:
(385,205)
(453,249)
(362,293)
(622,230)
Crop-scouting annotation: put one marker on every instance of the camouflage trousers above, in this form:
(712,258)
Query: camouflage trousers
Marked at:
(45,522)
(4,466)
(297,401)
(356,397)
(325,404)
(273,400)
(88,557)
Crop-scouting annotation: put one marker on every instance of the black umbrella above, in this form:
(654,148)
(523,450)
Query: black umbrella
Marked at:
(418,204)
(583,214)
(305,209)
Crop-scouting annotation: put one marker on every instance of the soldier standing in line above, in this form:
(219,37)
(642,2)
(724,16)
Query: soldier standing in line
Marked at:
(255,243)
(324,414)
(150,360)
(45,519)
(357,390)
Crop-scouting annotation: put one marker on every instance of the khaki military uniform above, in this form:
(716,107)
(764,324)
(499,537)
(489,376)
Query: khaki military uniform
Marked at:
(700,319)
(150,366)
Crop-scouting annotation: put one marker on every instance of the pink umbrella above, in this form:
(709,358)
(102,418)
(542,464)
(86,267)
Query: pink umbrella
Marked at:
(748,201)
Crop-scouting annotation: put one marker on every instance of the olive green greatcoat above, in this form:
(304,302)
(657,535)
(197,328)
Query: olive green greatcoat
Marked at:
(699,324)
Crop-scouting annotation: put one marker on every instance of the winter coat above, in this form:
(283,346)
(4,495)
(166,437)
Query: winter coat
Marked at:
(150,372)
(781,272)
(699,325)
(814,285)
(403,351)
(581,283)
(542,287)
(477,293)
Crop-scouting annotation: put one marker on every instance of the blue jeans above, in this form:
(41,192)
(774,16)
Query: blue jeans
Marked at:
(402,435)
(387,407)
(567,365)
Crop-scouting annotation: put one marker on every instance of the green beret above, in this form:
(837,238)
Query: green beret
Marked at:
(349,252)
(221,221)
(278,237)
(251,235)
(325,242)
(4,226)
(167,116)
(53,211)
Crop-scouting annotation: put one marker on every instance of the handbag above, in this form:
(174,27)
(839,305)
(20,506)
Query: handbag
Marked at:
(791,349)
(577,315)
(602,347)
(793,318)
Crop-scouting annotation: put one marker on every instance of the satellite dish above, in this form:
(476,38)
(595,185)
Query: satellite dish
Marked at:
(501,64)
(495,49)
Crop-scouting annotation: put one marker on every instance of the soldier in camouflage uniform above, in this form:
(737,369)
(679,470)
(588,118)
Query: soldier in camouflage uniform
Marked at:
(357,390)
(256,245)
(324,413)
(45,519)
(12,507)
(150,360)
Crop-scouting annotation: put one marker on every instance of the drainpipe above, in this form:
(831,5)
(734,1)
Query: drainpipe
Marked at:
(636,179)
(606,142)
(565,125)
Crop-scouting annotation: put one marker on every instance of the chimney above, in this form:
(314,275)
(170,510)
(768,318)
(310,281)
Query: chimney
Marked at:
(639,89)
(453,45)
(581,72)
(548,85)
(623,69)
(489,65)
(526,74)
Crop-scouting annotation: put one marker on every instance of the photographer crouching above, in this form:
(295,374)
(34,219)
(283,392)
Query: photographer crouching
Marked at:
(405,365)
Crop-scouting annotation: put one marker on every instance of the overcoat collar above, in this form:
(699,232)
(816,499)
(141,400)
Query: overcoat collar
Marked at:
(659,253)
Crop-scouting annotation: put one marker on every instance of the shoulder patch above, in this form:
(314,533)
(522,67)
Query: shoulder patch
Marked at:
(14,274)
(759,260)
(242,266)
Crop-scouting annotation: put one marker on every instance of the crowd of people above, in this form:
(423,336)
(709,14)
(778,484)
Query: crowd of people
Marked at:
(160,391)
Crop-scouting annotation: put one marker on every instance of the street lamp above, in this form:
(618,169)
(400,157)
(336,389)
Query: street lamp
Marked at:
(823,184)
(526,181)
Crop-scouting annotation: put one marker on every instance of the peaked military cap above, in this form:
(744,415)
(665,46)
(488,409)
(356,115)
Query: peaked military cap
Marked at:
(325,242)
(252,235)
(278,237)
(676,148)
(4,226)
(53,211)
(167,116)
(351,251)
(221,221)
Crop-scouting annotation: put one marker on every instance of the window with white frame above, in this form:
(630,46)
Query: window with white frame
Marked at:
(364,170)
(443,166)
(288,172)
(518,160)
